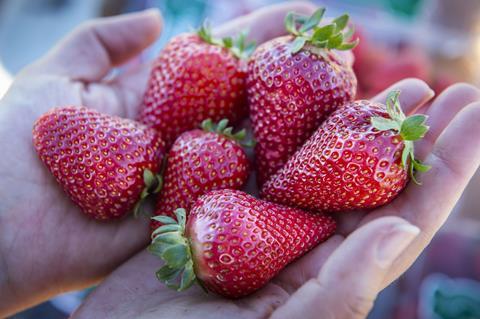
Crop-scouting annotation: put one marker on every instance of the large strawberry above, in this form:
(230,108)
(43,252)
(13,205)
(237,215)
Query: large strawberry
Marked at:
(293,83)
(233,243)
(360,157)
(104,163)
(200,161)
(196,77)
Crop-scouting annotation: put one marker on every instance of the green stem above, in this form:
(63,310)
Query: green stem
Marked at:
(239,46)
(307,30)
(170,244)
(409,129)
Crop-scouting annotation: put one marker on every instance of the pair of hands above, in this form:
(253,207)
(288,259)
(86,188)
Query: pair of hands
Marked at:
(47,246)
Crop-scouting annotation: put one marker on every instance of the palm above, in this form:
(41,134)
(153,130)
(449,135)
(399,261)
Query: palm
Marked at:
(59,245)
(331,263)
(35,200)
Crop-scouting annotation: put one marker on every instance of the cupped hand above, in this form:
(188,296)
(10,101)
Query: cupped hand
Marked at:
(342,277)
(47,245)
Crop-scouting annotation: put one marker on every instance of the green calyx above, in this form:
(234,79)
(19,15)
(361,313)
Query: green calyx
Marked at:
(410,129)
(222,128)
(239,46)
(169,243)
(153,185)
(306,30)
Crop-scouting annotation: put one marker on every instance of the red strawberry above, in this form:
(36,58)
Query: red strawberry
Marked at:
(293,83)
(360,157)
(200,161)
(103,162)
(233,243)
(194,78)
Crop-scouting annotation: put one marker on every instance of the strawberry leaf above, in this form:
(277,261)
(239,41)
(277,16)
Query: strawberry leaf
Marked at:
(349,34)
(413,127)
(290,23)
(313,20)
(228,42)
(420,167)
(384,124)
(166,273)
(329,36)
(169,243)
(164,219)
(188,277)
(323,33)
(175,255)
(341,22)
(410,129)
(148,178)
(297,44)
(348,46)
(335,41)
(235,46)
(181,215)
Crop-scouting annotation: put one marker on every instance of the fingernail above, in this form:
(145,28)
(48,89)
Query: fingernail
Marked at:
(395,242)
(151,11)
(431,93)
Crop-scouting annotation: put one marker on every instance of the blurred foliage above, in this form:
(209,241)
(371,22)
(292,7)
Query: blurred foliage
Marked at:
(405,7)
(456,301)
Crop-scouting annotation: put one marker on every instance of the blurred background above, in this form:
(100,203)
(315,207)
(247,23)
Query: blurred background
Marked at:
(435,40)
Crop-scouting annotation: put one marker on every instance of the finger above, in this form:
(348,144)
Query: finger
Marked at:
(133,284)
(443,110)
(90,51)
(265,23)
(307,267)
(454,159)
(415,93)
(353,275)
(122,96)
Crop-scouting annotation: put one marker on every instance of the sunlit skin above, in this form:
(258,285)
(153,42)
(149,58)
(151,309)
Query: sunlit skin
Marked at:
(47,246)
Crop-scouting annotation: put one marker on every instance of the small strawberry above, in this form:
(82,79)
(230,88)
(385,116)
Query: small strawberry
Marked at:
(200,161)
(233,243)
(293,83)
(360,157)
(103,162)
(196,77)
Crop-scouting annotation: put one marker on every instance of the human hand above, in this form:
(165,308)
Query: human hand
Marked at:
(342,277)
(47,245)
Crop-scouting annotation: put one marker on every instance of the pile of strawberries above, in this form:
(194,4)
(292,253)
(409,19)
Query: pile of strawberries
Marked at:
(317,152)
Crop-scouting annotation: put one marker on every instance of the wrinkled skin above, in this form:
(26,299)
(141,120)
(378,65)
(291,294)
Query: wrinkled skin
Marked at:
(47,246)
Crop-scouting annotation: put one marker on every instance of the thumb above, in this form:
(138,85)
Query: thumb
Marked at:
(352,277)
(94,48)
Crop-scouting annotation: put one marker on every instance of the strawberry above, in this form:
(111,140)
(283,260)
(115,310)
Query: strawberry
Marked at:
(233,243)
(200,161)
(293,83)
(104,163)
(360,157)
(196,77)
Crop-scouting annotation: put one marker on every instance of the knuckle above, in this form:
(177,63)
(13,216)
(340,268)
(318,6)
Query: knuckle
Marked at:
(444,158)
(357,306)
